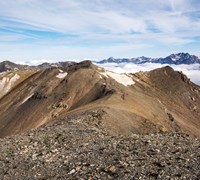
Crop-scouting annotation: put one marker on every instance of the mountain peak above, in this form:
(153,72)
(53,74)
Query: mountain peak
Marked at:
(180,58)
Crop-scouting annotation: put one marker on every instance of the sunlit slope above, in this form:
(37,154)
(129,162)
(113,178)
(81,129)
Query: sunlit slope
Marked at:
(155,101)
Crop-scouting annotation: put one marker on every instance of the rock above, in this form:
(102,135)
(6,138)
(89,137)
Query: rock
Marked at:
(72,171)
(74,148)
(112,169)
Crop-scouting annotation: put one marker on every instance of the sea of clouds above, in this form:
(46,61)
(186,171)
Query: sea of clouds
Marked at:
(192,71)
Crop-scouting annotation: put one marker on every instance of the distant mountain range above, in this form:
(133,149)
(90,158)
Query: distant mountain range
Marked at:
(179,58)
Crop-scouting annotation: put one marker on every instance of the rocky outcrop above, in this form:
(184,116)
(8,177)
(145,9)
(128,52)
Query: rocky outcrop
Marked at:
(79,147)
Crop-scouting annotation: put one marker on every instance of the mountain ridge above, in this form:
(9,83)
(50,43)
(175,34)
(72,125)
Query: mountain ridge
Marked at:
(177,59)
(11,66)
(125,99)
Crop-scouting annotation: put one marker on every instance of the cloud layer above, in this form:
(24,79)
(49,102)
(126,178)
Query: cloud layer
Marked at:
(57,29)
(192,71)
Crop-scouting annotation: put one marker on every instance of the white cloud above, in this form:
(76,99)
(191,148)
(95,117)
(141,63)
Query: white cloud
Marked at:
(87,16)
(100,23)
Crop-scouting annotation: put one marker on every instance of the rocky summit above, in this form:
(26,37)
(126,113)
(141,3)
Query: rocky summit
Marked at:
(79,147)
(80,121)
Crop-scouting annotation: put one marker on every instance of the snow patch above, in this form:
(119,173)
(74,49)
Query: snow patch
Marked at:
(60,70)
(15,78)
(54,65)
(16,69)
(120,78)
(6,83)
(62,75)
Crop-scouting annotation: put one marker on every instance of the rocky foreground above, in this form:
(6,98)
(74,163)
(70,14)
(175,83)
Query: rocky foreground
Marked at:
(78,147)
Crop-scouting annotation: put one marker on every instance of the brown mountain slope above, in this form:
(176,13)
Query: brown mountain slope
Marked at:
(159,100)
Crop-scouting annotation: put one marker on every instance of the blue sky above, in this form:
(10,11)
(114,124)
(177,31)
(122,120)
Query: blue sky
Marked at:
(41,30)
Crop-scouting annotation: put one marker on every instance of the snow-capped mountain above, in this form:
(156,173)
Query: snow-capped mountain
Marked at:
(179,58)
